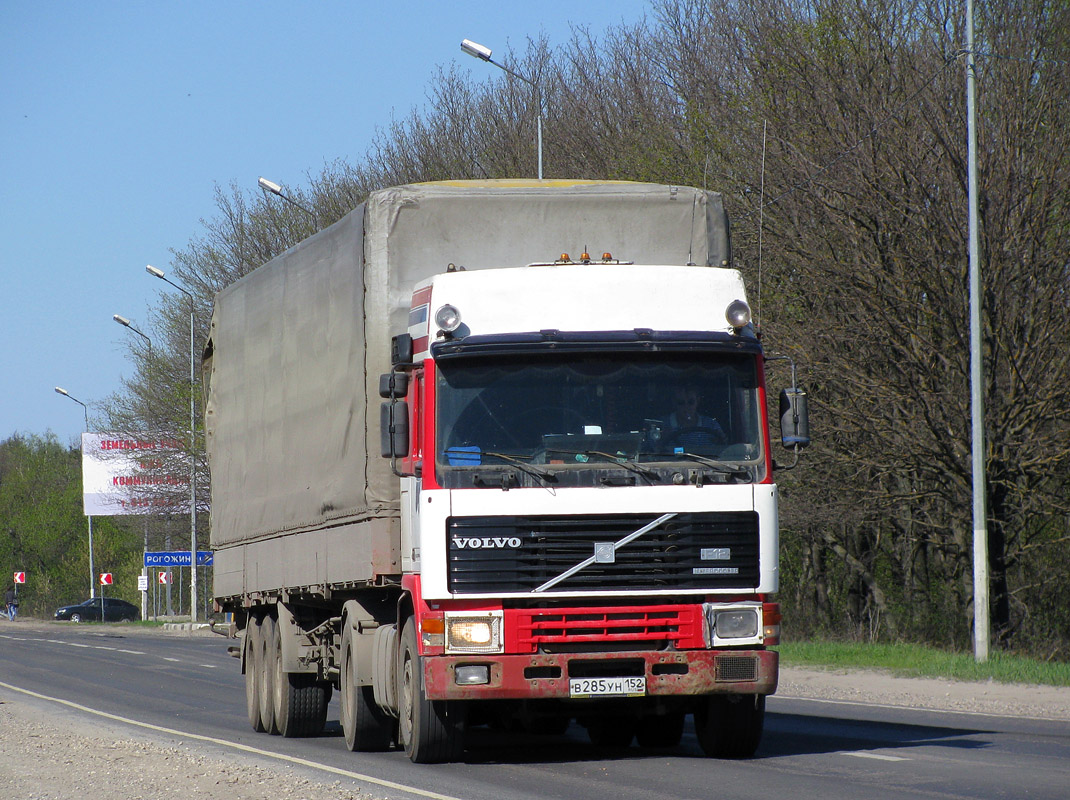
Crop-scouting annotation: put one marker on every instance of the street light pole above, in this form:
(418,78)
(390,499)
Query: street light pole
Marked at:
(144,570)
(275,189)
(92,571)
(158,273)
(981,619)
(483,53)
(128,324)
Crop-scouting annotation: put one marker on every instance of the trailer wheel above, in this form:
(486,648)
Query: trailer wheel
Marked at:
(664,730)
(364,724)
(730,726)
(299,702)
(252,674)
(265,671)
(431,731)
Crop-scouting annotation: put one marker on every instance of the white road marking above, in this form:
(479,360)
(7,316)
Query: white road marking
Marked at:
(97,647)
(929,710)
(357,776)
(878,756)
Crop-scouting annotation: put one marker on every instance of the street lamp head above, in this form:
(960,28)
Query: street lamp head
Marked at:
(269,186)
(158,273)
(62,391)
(476,50)
(121,320)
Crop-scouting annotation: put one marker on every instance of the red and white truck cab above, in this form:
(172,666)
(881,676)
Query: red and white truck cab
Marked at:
(574,538)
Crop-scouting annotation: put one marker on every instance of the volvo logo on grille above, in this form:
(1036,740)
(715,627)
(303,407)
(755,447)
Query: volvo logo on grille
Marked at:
(486,542)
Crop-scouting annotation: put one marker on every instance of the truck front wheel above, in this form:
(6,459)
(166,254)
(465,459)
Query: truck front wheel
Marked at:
(364,724)
(730,726)
(431,731)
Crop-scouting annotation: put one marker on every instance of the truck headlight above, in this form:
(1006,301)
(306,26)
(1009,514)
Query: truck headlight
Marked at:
(474,632)
(734,624)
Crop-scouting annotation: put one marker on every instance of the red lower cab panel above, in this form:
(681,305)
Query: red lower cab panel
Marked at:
(547,647)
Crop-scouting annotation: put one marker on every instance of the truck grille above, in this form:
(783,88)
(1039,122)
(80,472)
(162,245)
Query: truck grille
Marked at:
(710,550)
(649,626)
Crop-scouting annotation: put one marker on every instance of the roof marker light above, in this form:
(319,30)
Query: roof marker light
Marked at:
(448,318)
(738,314)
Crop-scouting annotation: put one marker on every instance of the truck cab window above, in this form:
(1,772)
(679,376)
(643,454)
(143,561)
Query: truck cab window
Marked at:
(570,411)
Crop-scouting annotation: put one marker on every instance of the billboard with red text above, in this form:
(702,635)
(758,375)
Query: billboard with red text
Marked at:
(123,474)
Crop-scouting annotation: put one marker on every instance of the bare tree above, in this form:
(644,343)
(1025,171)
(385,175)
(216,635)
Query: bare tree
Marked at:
(836,129)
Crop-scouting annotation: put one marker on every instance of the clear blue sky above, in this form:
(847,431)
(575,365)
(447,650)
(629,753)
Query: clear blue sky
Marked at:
(117,120)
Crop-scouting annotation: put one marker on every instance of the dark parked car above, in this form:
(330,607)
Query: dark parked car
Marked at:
(115,610)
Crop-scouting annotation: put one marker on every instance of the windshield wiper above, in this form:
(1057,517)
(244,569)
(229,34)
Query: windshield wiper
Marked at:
(622,460)
(530,469)
(720,466)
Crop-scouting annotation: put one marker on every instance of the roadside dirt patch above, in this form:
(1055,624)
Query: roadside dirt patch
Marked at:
(878,688)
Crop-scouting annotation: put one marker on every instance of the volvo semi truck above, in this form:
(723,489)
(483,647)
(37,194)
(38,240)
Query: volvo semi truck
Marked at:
(464,472)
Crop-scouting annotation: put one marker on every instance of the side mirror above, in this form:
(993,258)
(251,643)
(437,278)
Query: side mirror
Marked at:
(394,429)
(794,418)
(401,349)
(393,385)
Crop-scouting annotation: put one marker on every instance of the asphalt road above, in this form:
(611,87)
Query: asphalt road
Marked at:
(810,748)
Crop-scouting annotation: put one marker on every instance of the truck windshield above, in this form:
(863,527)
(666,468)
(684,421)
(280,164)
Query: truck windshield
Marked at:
(573,412)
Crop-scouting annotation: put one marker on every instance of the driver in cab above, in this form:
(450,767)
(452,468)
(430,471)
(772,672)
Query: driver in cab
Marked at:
(687,427)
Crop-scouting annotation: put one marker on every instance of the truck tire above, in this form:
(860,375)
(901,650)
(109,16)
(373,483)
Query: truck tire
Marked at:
(730,726)
(265,673)
(252,674)
(299,700)
(366,727)
(431,731)
(664,730)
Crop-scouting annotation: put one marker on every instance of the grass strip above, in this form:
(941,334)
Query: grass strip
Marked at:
(919,661)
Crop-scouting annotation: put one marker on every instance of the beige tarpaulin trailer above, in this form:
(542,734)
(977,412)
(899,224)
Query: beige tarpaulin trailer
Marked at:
(299,496)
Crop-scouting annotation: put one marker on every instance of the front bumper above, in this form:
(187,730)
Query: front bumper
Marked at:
(681,673)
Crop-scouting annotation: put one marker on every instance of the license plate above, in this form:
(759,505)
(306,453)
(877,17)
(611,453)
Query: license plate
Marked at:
(607,687)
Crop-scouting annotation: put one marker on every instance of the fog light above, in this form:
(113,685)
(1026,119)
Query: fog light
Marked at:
(472,675)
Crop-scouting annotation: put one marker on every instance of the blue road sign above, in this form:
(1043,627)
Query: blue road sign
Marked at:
(178,558)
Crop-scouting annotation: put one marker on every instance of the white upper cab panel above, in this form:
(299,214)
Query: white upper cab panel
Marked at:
(582,297)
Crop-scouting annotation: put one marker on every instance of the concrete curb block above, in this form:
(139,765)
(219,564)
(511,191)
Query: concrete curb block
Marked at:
(186,627)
